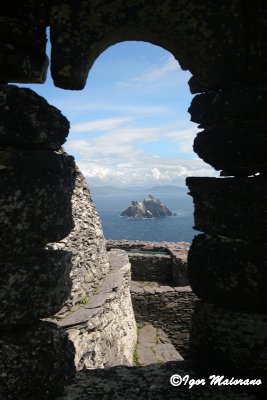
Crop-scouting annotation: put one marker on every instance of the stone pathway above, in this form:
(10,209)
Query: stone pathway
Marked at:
(154,346)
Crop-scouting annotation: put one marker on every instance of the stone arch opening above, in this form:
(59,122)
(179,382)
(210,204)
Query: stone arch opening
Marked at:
(182,298)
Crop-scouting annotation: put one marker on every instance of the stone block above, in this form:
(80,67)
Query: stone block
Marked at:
(235,102)
(23,41)
(229,273)
(232,207)
(237,148)
(36,362)
(37,124)
(228,341)
(33,287)
(35,200)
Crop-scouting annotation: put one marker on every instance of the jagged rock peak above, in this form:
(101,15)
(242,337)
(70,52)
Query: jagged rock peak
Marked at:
(150,207)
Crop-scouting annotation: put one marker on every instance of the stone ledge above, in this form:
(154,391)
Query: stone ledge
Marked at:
(103,329)
(119,265)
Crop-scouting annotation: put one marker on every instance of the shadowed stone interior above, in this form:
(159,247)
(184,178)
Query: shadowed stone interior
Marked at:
(223,45)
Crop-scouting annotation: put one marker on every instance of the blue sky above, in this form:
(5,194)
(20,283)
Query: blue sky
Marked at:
(130,125)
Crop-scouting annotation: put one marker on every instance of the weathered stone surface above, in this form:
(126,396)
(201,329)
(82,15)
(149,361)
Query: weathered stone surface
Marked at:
(143,383)
(23,41)
(87,244)
(35,199)
(36,362)
(192,31)
(236,147)
(233,207)
(224,340)
(33,287)
(169,309)
(154,346)
(229,273)
(37,124)
(103,328)
(237,101)
(234,136)
(151,267)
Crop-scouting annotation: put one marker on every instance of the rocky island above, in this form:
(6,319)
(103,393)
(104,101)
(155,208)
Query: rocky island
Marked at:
(148,208)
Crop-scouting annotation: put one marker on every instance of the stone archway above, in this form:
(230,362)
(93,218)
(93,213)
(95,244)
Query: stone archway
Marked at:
(224,48)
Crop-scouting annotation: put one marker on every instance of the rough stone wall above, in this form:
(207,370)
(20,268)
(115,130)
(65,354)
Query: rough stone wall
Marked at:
(103,329)
(148,267)
(87,244)
(169,308)
(36,181)
(98,314)
(168,269)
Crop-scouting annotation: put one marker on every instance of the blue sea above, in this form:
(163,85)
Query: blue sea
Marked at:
(172,229)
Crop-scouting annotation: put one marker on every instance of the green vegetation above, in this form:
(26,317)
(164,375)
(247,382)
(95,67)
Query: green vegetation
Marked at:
(135,356)
(85,300)
(157,339)
(139,325)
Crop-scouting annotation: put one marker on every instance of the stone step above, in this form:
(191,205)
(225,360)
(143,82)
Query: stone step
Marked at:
(154,346)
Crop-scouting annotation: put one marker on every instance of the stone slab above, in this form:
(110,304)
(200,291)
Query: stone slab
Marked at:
(33,287)
(35,200)
(232,207)
(237,101)
(237,148)
(36,362)
(146,335)
(38,124)
(229,273)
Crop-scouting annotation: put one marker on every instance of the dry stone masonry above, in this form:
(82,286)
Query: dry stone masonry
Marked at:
(87,244)
(159,288)
(164,262)
(223,45)
(103,327)
(37,180)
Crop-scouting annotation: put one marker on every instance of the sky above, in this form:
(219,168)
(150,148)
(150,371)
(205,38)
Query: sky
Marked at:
(130,125)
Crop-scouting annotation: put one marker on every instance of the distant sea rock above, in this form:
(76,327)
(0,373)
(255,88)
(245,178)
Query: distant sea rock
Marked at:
(148,208)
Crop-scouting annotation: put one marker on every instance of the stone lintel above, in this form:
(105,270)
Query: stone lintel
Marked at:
(231,207)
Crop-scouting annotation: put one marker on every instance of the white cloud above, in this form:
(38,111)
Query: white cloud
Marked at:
(167,69)
(119,155)
(156,174)
(164,174)
(105,124)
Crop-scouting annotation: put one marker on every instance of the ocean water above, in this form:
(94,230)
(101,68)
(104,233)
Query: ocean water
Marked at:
(172,229)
